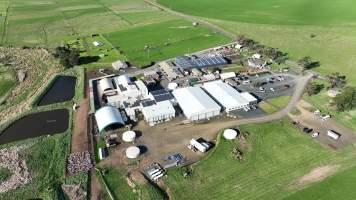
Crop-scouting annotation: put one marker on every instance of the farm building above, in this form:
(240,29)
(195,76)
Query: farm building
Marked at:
(249,97)
(196,104)
(118,65)
(127,90)
(186,62)
(256,63)
(227,75)
(158,112)
(170,71)
(226,95)
(108,118)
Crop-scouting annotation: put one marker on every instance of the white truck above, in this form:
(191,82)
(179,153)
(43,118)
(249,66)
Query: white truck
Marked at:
(201,147)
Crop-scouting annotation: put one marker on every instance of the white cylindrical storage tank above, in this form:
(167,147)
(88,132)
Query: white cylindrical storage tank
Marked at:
(129,136)
(132,152)
(172,86)
(230,134)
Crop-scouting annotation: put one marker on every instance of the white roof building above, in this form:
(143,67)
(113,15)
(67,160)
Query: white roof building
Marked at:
(107,118)
(226,95)
(196,104)
(227,75)
(117,65)
(249,97)
(105,84)
(159,112)
(127,91)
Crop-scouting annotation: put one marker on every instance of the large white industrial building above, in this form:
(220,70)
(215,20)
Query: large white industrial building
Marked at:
(159,112)
(227,96)
(196,104)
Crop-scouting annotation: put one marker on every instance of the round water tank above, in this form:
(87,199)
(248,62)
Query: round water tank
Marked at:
(129,136)
(230,134)
(132,152)
(172,86)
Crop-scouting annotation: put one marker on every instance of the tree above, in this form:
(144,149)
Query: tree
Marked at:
(307,63)
(314,88)
(346,100)
(68,57)
(336,80)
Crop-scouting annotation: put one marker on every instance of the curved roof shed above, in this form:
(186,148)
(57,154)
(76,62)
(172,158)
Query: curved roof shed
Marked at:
(107,118)
(105,84)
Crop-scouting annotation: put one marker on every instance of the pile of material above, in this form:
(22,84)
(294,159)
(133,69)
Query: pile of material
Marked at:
(79,162)
(74,192)
(9,158)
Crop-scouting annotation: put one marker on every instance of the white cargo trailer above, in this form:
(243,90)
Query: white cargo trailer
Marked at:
(333,135)
(198,145)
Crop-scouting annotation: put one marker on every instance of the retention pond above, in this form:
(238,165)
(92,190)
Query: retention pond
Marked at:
(37,124)
(61,90)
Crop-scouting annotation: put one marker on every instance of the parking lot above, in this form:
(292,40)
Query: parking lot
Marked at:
(280,88)
(307,119)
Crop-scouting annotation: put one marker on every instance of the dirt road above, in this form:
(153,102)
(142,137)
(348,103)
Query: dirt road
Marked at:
(80,140)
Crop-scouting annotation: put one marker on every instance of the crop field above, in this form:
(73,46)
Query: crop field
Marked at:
(146,44)
(276,157)
(289,26)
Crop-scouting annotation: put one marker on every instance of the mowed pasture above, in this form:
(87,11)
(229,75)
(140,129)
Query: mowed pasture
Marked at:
(276,157)
(146,44)
(49,22)
(339,186)
(288,25)
(7,80)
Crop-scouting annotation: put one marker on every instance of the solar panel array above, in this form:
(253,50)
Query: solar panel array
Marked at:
(186,62)
(162,95)
(148,102)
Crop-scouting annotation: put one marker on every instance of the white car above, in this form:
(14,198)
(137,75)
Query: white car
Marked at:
(314,135)
(272,89)
(317,112)
(325,117)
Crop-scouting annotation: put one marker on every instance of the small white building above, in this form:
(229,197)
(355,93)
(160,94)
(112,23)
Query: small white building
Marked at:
(256,56)
(118,65)
(160,112)
(196,104)
(227,75)
(97,43)
(226,95)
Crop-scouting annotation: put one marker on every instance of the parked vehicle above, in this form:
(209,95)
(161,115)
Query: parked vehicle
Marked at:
(325,117)
(316,134)
(334,135)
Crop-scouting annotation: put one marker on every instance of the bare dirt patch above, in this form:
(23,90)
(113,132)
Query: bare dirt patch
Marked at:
(315,175)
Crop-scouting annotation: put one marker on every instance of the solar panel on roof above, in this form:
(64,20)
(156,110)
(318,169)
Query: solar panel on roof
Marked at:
(146,103)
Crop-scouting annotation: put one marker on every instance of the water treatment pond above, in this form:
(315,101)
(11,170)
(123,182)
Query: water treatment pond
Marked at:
(61,90)
(37,124)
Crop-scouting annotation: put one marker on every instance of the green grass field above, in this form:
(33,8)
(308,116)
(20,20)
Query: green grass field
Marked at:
(336,187)
(278,156)
(7,80)
(165,40)
(288,25)
(117,183)
(275,103)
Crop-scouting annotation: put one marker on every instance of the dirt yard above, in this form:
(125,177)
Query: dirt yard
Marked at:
(308,119)
(80,140)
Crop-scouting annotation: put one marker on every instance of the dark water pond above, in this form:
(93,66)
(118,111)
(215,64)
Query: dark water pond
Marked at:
(62,89)
(37,124)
